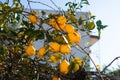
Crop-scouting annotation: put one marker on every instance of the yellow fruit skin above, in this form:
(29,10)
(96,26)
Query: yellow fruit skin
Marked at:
(33,19)
(74,37)
(78,61)
(61,20)
(57,26)
(91,26)
(30,50)
(55,58)
(69,28)
(76,67)
(54,47)
(41,51)
(64,65)
(56,78)
(65,49)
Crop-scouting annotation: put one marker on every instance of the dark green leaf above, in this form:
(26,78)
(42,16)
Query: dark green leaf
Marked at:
(85,2)
(80,21)
(43,12)
(68,3)
(99,23)
(1,50)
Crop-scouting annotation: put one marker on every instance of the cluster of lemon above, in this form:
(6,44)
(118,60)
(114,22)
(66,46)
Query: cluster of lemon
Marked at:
(73,36)
(60,24)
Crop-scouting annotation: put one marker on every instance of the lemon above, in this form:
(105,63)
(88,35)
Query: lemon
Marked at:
(64,65)
(30,50)
(33,19)
(76,67)
(41,52)
(78,61)
(58,23)
(61,20)
(54,47)
(74,37)
(55,58)
(69,28)
(91,26)
(56,78)
(65,49)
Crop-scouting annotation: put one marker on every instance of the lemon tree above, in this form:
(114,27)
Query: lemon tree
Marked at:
(60,32)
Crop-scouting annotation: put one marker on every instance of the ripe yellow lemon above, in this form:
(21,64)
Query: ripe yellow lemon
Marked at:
(57,26)
(33,19)
(52,59)
(69,28)
(61,20)
(76,67)
(41,51)
(30,50)
(54,47)
(64,65)
(65,49)
(91,26)
(74,37)
(58,56)
(56,78)
(55,58)
(78,61)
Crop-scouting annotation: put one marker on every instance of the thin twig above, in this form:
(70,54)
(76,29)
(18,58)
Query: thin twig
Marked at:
(29,5)
(54,4)
(110,63)
(42,4)
(91,60)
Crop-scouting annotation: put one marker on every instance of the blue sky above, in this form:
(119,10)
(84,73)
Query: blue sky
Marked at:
(107,48)
(108,12)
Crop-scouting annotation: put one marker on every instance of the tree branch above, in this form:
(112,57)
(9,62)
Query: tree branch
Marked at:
(110,63)
(91,60)
(42,4)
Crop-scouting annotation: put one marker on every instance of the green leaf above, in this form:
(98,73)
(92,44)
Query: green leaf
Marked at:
(1,50)
(85,2)
(80,21)
(68,3)
(99,23)
(43,12)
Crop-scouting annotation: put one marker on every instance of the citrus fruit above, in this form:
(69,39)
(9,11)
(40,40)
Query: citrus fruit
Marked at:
(61,20)
(58,56)
(33,19)
(52,59)
(56,78)
(64,65)
(41,52)
(91,26)
(55,25)
(65,49)
(54,47)
(74,37)
(55,58)
(76,67)
(78,61)
(30,50)
(69,28)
